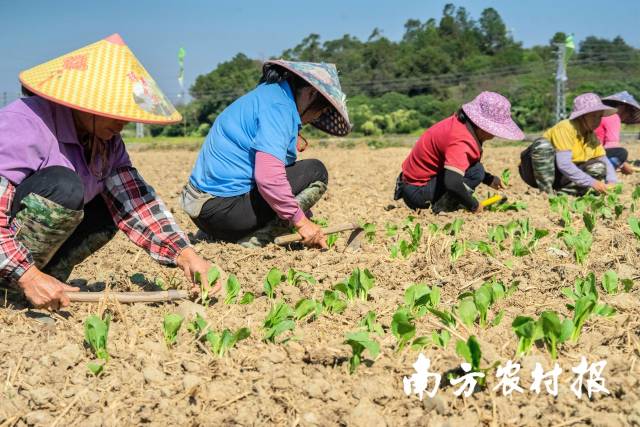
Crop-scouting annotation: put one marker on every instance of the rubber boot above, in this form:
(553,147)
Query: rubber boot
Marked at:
(306,199)
(42,226)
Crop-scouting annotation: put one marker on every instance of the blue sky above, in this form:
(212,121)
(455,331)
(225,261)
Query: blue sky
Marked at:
(214,31)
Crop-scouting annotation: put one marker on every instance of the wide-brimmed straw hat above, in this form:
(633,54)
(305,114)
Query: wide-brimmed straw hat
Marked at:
(103,78)
(589,103)
(625,98)
(491,112)
(324,78)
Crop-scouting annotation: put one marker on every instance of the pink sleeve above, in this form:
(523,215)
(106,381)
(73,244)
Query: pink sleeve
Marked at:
(272,183)
(609,131)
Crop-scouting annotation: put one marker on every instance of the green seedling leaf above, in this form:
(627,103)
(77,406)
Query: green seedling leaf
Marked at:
(391,229)
(359,342)
(333,303)
(453,228)
(403,327)
(306,307)
(95,368)
(278,321)
(433,228)
(96,332)
(470,352)
(445,317)
(370,324)
(634,224)
(604,310)
(296,278)
(551,331)
(418,298)
(627,284)
(589,220)
(331,240)
(610,282)
(170,327)
(505,177)
(584,307)
(357,285)
(441,339)
(528,331)
(483,298)
(272,281)
(222,342)
(457,250)
(369,231)
(232,289)
(420,343)
(213,274)
(321,222)
(247,298)
(496,320)
(579,243)
(467,311)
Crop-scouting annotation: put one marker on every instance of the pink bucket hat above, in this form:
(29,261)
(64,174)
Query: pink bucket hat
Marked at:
(589,103)
(491,112)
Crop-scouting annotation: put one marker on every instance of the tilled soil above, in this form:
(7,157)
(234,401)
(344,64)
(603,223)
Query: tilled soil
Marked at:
(43,363)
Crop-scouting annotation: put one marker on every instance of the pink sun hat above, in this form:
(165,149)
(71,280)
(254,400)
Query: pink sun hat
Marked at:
(491,112)
(589,103)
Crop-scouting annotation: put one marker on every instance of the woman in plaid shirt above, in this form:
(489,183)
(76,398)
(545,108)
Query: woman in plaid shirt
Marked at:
(66,181)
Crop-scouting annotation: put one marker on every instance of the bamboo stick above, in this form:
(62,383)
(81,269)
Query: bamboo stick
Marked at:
(295,237)
(129,297)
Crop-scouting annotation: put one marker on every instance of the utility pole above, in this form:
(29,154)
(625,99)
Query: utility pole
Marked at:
(4,99)
(561,80)
(139,130)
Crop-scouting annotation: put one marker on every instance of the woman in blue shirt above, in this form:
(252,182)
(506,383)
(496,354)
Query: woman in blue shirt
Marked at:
(247,172)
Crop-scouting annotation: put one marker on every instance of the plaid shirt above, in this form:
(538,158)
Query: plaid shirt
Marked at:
(135,208)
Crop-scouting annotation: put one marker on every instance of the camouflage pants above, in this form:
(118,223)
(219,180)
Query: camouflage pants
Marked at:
(549,179)
(60,238)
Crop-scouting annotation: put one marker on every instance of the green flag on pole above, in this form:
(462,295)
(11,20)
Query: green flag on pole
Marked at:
(570,46)
(181,54)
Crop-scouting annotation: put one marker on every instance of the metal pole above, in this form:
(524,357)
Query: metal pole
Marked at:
(561,79)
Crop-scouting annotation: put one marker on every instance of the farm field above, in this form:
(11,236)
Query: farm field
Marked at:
(306,381)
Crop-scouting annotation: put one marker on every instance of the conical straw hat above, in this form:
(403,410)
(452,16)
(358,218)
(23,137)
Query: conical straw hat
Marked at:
(104,78)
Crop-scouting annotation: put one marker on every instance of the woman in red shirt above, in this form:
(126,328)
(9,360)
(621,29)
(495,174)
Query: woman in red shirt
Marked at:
(443,168)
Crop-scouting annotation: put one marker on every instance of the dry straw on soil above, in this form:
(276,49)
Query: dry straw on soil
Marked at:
(43,372)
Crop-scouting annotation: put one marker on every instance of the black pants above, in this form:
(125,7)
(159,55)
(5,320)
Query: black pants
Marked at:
(231,218)
(617,156)
(64,187)
(421,197)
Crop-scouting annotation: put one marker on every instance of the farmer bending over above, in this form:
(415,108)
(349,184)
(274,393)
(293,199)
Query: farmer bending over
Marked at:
(609,130)
(569,158)
(66,181)
(246,175)
(443,169)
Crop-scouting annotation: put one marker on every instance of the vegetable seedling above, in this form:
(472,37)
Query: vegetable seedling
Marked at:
(634,224)
(232,290)
(419,298)
(453,228)
(331,240)
(403,327)
(213,274)
(306,307)
(370,324)
(170,327)
(505,177)
(528,331)
(579,243)
(96,332)
(471,353)
(219,342)
(333,303)
(272,281)
(369,231)
(296,278)
(359,342)
(278,321)
(357,285)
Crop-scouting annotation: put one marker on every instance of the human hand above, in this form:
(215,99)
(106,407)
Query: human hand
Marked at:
(497,184)
(312,234)
(191,263)
(479,209)
(599,186)
(44,291)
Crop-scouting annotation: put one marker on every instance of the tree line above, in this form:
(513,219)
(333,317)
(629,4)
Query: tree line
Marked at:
(407,85)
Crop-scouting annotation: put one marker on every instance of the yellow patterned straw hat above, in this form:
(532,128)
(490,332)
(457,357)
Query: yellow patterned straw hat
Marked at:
(104,78)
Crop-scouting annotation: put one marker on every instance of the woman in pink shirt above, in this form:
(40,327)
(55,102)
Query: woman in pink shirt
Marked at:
(609,130)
